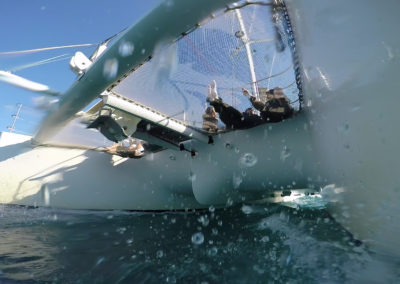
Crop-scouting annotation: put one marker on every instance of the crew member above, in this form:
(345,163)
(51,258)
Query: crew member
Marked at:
(276,106)
(232,118)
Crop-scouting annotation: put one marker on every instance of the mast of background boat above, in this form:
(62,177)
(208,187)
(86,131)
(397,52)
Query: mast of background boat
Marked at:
(15,116)
(246,42)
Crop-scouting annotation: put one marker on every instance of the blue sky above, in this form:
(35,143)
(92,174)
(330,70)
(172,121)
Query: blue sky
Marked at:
(46,23)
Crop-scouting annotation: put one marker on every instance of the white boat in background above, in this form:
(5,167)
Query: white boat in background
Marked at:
(339,60)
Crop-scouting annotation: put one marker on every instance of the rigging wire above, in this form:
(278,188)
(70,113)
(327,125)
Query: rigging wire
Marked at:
(41,62)
(267,78)
(272,67)
(45,49)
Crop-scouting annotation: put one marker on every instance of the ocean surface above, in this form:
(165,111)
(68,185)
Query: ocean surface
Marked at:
(241,244)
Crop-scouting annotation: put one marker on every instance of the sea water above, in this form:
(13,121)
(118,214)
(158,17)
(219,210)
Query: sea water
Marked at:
(244,243)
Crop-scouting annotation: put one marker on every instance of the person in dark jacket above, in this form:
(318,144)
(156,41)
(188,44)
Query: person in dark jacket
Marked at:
(275,107)
(210,120)
(231,117)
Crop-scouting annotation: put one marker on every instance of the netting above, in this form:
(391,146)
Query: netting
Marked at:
(175,80)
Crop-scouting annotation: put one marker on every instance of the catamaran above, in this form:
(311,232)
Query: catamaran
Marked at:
(331,59)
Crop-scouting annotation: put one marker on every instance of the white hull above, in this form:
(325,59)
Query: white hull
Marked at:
(85,179)
(241,165)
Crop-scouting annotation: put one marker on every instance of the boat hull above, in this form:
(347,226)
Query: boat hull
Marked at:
(87,179)
(350,58)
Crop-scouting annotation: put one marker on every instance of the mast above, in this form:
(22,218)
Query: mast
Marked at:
(15,116)
(246,42)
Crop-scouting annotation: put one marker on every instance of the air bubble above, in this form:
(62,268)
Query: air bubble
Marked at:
(198,238)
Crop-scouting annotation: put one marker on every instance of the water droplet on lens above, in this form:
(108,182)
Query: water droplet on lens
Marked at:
(170,279)
(110,68)
(346,128)
(247,209)
(237,180)
(192,177)
(212,251)
(100,260)
(126,49)
(248,160)
(160,254)
(121,230)
(204,220)
(198,238)
(169,3)
(285,153)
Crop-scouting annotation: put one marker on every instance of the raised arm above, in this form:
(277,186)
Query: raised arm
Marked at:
(257,104)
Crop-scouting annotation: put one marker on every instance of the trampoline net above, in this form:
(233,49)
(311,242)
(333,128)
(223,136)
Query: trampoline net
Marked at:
(175,80)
